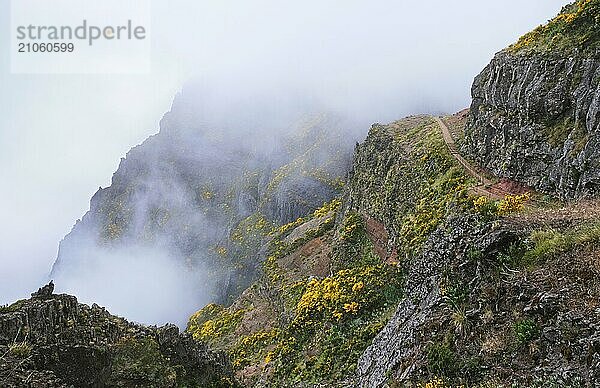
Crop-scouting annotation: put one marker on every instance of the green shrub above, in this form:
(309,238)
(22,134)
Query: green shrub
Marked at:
(436,197)
(513,256)
(474,254)
(525,330)
(441,358)
(354,247)
(140,362)
(12,308)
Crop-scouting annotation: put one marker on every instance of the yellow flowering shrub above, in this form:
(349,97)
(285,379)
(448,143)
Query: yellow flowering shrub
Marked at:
(290,225)
(213,322)
(358,286)
(343,294)
(333,205)
(480,202)
(512,203)
(252,347)
(437,382)
(351,307)
(576,25)
(351,228)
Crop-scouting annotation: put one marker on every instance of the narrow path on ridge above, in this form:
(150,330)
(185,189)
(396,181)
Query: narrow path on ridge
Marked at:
(555,217)
(486,186)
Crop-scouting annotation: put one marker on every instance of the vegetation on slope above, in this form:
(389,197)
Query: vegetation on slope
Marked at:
(576,27)
(323,323)
(329,286)
(405,176)
(183,192)
(326,288)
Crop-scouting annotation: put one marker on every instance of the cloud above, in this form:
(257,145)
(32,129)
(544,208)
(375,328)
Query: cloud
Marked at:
(144,284)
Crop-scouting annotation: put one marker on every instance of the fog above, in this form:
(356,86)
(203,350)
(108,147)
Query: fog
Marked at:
(62,136)
(176,199)
(143,284)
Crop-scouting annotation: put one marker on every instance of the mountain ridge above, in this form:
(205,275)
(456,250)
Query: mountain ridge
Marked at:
(398,266)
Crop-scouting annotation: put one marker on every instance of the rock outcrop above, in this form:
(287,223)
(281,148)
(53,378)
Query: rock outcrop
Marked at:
(53,341)
(480,309)
(535,115)
(486,298)
(398,351)
(536,119)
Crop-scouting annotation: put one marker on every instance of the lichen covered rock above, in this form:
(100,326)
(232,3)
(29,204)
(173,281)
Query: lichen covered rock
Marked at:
(53,341)
(535,115)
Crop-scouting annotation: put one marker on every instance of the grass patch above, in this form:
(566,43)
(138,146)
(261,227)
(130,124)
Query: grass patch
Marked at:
(549,243)
(542,245)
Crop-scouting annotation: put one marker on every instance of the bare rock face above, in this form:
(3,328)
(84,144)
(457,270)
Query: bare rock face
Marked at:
(535,118)
(470,318)
(54,341)
(45,291)
(397,351)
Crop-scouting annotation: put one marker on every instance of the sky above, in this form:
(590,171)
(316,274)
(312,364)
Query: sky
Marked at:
(62,136)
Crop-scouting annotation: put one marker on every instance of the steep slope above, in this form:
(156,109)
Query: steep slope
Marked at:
(189,207)
(490,295)
(503,294)
(410,280)
(535,115)
(494,302)
(330,281)
(52,341)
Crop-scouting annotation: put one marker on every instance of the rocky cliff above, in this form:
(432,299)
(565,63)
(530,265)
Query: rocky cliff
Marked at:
(535,115)
(191,205)
(494,304)
(53,341)
(491,296)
